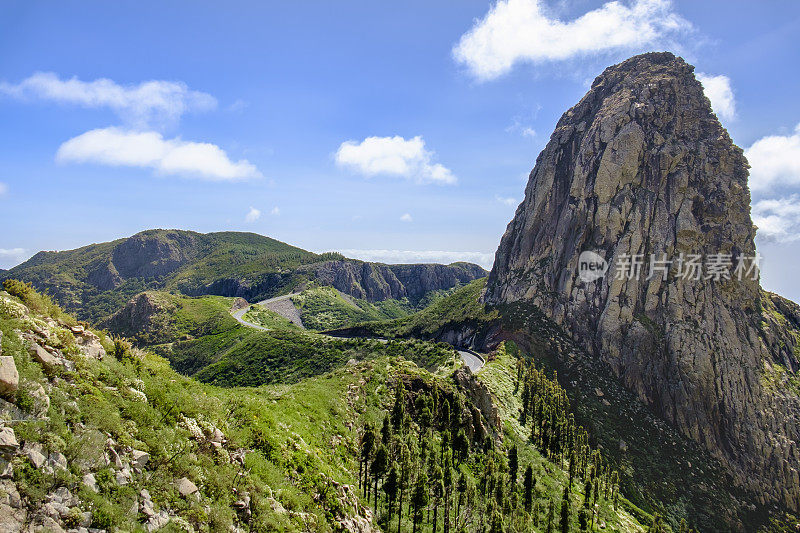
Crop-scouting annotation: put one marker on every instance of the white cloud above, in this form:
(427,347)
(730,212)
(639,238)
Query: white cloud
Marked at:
(514,31)
(148,102)
(774,161)
(406,218)
(421,256)
(3,188)
(275,211)
(778,219)
(718,90)
(10,257)
(394,156)
(506,200)
(252,215)
(117,147)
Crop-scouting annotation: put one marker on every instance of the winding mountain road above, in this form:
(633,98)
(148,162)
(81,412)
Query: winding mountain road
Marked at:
(473,360)
(280,304)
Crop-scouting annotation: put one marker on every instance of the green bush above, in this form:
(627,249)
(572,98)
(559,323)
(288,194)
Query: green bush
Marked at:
(38,302)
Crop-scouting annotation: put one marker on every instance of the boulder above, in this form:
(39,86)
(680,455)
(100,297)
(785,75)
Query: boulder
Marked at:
(185,487)
(44,358)
(140,458)
(146,506)
(8,441)
(90,346)
(33,451)
(6,469)
(41,401)
(57,461)
(90,482)
(9,377)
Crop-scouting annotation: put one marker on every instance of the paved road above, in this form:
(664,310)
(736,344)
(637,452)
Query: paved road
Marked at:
(239,315)
(474,361)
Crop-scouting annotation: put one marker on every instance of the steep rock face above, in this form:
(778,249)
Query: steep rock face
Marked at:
(152,255)
(142,318)
(642,166)
(376,281)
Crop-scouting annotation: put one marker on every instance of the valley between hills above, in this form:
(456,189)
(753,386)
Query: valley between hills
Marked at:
(180,381)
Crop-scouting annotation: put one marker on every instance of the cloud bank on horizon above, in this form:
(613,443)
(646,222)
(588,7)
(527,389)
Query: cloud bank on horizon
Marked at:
(420,256)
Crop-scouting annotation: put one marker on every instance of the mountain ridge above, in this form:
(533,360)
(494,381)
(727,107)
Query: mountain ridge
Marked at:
(96,280)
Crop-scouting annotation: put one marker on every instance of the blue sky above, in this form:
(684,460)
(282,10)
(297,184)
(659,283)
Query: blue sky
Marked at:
(391,131)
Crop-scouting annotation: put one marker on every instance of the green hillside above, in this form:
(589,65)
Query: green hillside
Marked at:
(185,455)
(96,280)
(156,317)
(660,470)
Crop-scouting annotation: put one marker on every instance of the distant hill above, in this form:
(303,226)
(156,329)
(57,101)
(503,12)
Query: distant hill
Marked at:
(96,280)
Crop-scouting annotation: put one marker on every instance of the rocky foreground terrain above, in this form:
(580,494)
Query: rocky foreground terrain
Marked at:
(642,166)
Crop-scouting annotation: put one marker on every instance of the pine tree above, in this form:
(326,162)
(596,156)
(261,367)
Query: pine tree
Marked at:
(386,431)
(497,523)
(572,466)
(437,491)
(444,415)
(367,447)
(530,483)
(587,500)
(391,487)
(658,525)
(513,466)
(455,413)
(461,445)
(419,499)
(379,465)
(399,408)
(405,472)
(462,489)
(551,514)
(583,519)
(448,490)
(566,507)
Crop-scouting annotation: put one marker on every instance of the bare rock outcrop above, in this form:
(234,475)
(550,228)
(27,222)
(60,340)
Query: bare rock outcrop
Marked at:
(377,282)
(641,167)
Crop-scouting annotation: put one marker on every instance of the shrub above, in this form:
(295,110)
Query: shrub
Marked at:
(36,301)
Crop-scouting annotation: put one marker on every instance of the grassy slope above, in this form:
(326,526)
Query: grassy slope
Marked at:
(287,431)
(499,375)
(460,307)
(243,356)
(296,437)
(178,317)
(325,308)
